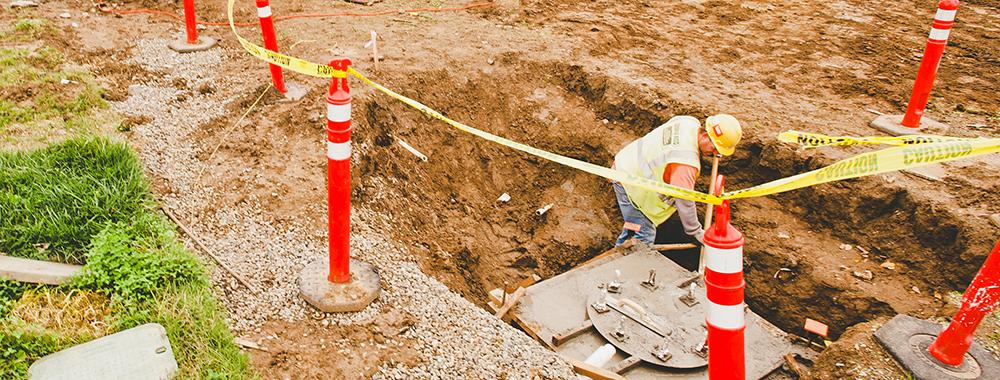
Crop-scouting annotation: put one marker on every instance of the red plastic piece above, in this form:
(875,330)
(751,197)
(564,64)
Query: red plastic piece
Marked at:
(817,327)
(339,181)
(271,43)
(980,299)
(928,69)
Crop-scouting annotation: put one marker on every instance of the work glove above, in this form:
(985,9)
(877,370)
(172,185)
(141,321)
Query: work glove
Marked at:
(700,237)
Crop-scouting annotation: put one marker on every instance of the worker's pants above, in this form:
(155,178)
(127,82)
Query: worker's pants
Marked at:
(632,215)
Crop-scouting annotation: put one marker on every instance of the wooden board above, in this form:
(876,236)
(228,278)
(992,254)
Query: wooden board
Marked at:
(36,271)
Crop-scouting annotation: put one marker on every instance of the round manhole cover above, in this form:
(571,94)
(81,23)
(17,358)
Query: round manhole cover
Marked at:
(662,325)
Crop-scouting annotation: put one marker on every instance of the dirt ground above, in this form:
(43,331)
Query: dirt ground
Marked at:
(582,78)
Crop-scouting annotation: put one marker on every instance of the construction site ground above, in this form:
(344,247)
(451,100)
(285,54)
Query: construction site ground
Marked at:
(579,78)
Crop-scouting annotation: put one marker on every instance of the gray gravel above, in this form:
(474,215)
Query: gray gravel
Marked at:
(455,338)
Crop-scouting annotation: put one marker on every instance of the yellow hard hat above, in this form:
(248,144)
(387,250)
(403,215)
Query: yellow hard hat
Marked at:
(725,132)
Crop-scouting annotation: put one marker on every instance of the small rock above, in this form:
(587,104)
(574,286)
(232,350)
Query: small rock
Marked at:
(784,235)
(888,265)
(23,3)
(915,289)
(866,275)
(846,247)
(490,61)
(74,25)
(64,81)
(605,121)
(840,365)
(246,343)
(995,218)
(65,15)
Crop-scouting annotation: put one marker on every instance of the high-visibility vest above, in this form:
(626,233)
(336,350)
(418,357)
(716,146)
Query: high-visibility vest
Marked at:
(674,142)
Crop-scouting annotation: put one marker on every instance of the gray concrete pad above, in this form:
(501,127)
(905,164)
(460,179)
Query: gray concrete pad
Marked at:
(203,43)
(36,271)
(932,172)
(293,92)
(139,353)
(891,124)
(329,297)
(907,339)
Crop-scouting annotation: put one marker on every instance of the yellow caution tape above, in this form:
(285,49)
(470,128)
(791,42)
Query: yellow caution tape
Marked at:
(916,150)
(814,140)
(880,161)
(317,70)
(295,64)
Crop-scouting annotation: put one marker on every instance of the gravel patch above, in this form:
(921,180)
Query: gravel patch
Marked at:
(455,338)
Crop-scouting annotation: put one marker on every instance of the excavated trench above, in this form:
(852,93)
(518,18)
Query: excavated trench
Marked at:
(446,209)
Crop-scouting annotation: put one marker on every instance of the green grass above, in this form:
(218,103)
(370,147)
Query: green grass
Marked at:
(40,73)
(29,25)
(54,201)
(86,200)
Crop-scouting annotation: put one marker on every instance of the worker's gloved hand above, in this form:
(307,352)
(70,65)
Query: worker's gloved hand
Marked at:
(700,236)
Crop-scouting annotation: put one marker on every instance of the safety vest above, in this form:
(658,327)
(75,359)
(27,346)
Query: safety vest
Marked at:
(674,142)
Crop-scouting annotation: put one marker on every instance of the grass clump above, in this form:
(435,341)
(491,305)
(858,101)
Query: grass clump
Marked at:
(85,200)
(21,344)
(28,25)
(55,200)
(10,291)
(36,87)
(133,260)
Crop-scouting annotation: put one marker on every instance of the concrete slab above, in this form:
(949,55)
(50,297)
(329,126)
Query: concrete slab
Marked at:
(907,338)
(559,304)
(932,172)
(891,124)
(181,46)
(293,92)
(329,297)
(36,271)
(139,353)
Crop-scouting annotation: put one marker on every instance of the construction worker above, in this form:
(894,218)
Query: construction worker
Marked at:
(671,153)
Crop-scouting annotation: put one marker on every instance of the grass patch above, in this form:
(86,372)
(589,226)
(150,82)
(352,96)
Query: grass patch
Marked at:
(35,86)
(55,200)
(86,200)
(28,25)
(22,343)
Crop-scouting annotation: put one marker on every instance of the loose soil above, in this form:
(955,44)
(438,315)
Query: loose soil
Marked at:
(583,78)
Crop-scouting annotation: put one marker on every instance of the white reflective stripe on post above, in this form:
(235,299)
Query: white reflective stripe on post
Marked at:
(727,317)
(264,12)
(338,151)
(725,261)
(338,113)
(945,15)
(939,34)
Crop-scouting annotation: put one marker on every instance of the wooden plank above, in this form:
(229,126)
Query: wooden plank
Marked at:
(512,300)
(37,271)
(139,353)
(562,337)
(795,367)
(531,329)
(590,371)
(625,365)
(674,247)
(604,254)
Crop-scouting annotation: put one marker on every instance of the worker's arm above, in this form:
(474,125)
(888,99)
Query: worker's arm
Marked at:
(684,176)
